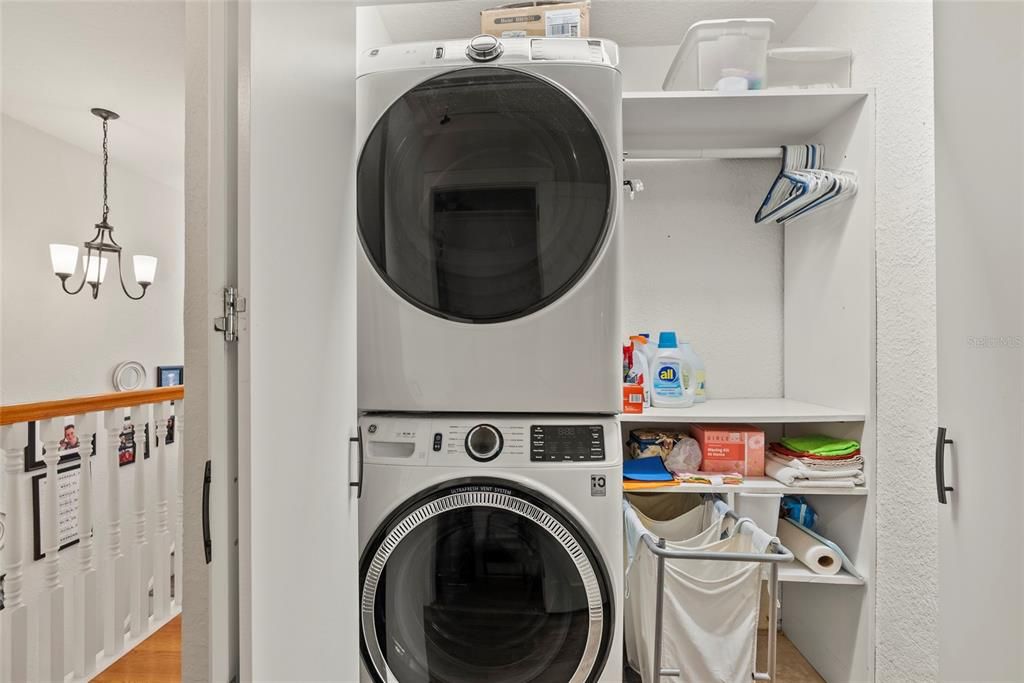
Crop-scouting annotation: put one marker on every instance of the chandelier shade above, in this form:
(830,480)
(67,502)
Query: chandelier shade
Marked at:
(64,258)
(95,267)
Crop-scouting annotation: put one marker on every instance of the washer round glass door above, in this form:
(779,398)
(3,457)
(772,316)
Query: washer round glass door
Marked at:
(483,582)
(484,194)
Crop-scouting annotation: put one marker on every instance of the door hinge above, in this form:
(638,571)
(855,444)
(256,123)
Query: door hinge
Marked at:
(228,323)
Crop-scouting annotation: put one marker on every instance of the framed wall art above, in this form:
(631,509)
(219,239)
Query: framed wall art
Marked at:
(67,508)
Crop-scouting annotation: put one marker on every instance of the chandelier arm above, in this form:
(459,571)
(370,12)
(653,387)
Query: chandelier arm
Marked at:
(120,276)
(64,284)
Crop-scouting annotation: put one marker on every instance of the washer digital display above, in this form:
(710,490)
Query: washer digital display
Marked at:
(561,443)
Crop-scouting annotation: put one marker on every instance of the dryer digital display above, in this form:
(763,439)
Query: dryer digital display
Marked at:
(558,443)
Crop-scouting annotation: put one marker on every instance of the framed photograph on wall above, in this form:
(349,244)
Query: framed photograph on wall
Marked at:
(67,508)
(170,375)
(68,449)
(169,439)
(126,444)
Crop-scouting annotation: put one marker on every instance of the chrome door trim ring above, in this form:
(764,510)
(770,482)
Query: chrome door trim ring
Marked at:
(497,497)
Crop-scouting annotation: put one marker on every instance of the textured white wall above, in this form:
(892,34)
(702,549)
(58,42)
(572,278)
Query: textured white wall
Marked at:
(55,345)
(892,44)
(727,302)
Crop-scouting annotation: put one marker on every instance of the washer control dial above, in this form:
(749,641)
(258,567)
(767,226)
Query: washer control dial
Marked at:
(484,442)
(484,48)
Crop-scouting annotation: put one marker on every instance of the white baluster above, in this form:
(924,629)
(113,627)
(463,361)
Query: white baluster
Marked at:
(14,617)
(113,608)
(140,547)
(162,538)
(86,641)
(51,624)
(179,527)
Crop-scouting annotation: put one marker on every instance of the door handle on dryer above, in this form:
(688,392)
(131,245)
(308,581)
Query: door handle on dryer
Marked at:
(357,481)
(940,465)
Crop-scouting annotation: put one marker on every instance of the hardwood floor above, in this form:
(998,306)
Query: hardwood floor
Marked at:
(791,667)
(158,660)
(155,660)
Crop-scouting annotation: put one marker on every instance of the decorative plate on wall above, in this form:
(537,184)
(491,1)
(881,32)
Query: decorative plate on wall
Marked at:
(129,376)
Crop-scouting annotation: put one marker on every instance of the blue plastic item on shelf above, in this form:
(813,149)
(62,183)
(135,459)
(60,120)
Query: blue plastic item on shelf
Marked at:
(799,510)
(646,469)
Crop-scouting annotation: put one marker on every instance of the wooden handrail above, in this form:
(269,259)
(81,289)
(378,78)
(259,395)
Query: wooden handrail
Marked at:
(29,412)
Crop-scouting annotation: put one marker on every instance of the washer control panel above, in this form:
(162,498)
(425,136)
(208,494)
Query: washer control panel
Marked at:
(566,443)
(483,441)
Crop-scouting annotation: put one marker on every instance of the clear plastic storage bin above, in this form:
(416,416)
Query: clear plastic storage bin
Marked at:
(810,67)
(723,48)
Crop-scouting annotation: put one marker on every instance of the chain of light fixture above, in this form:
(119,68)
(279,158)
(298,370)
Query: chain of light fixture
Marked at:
(94,265)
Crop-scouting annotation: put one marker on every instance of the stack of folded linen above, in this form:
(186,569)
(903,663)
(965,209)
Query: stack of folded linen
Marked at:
(816,461)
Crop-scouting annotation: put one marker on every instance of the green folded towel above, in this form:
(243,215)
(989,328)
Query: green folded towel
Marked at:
(818,444)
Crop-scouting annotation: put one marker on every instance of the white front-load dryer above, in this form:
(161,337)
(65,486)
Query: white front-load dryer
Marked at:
(488,191)
(491,549)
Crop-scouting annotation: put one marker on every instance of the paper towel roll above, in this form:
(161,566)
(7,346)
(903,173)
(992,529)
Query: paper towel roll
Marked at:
(820,558)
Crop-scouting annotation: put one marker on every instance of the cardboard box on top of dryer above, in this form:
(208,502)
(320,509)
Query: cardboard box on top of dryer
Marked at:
(544,18)
(730,448)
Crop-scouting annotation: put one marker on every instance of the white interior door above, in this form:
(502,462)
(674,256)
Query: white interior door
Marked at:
(979,121)
(271,154)
(210,427)
(299,540)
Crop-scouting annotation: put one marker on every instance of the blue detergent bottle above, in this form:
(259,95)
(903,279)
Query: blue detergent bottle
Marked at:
(668,388)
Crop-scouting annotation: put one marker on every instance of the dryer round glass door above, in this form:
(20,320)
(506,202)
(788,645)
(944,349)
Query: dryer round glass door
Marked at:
(479,582)
(484,194)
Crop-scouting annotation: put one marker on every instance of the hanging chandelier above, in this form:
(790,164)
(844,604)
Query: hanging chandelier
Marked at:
(64,257)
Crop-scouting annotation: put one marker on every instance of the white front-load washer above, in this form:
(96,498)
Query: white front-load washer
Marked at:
(491,549)
(488,191)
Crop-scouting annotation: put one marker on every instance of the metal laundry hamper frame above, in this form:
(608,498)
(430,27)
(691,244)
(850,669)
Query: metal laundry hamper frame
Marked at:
(777,555)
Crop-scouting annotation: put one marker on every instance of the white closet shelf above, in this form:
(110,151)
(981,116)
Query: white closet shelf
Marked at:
(756,410)
(757,485)
(797,572)
(656,123)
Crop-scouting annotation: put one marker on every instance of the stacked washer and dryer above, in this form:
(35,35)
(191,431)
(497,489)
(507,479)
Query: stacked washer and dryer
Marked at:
(489,185)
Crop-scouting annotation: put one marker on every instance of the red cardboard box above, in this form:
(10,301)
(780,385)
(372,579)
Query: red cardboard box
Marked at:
(632,398)
(730,448)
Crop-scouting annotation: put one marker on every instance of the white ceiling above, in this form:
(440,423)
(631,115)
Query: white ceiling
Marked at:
(628,22)
(60,59)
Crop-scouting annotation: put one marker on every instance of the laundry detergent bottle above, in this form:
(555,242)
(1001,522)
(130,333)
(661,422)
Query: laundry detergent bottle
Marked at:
(668,386)
(641,367)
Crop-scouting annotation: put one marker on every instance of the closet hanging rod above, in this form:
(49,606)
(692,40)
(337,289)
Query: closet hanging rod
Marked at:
(703,153)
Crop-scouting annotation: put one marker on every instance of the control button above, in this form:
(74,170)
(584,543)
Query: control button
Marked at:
(438,438)
(483,443)
(484,48)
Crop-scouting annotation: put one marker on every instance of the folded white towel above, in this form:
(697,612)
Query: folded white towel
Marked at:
(791,476)
(820,465)
(807,473)
(825,484)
